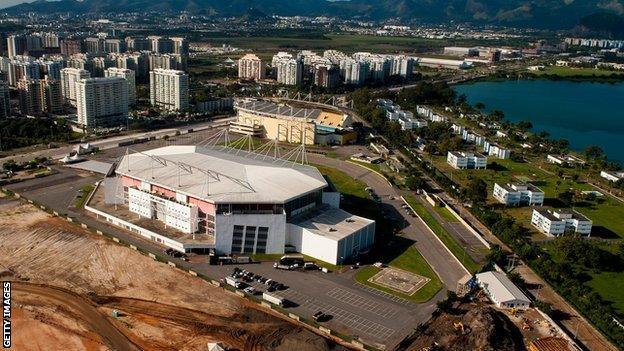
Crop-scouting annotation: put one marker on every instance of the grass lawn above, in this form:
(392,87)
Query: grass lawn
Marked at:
(85,191)
(343,182)
(445,213)
(457,250)
(412,261)
(610,286)
(372,166)
(606,213)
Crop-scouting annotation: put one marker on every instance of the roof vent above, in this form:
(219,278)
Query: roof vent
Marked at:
(331,229)
(349,220)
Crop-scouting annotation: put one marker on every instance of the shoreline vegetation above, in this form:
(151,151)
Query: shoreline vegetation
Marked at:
(555,74)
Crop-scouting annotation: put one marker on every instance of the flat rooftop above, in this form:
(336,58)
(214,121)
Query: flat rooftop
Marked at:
(221,174)
(499,285)
(332,223)
(265,107)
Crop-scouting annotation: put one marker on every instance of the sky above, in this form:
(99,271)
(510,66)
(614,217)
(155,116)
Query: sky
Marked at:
(9,3)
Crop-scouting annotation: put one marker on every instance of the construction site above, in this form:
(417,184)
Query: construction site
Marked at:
(74,290)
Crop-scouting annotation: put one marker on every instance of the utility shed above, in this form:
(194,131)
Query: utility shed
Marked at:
(502,291)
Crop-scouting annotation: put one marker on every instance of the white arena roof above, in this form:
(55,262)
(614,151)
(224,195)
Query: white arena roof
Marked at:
(222,175)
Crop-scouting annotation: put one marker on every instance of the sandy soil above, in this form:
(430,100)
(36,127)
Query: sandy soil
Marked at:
(162,308)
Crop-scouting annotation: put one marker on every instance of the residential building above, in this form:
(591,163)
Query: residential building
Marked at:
(466,160)
(5,106)
(354,72)
(16,45)
(251,67)
(30,93)
(161,45)
(326,76)
(102,101)
(129,76)
(289,71)
(502,291)
(94,46)
(402,66)
(558,222)
(493,149)
(138,44)
(169,89)
(23,69)
(70,47)
(518,194)
(612,176)
(113,45)
(69,78)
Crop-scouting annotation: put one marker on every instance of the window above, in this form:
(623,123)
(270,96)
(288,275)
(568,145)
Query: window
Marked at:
(250,239)
(263,233)
(237,238)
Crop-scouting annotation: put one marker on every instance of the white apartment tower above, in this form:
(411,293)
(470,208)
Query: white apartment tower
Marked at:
(102,101)
(169,89)
(129,76)
(251,66)
(69,78)
(289,71)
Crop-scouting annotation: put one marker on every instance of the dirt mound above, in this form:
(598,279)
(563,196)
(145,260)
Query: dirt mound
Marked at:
(480,328)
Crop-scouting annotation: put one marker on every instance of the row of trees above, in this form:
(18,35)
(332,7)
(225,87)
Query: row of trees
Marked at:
(21,132)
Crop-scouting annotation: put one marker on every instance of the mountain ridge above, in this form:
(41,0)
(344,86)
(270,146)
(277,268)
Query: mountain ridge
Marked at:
(548,14)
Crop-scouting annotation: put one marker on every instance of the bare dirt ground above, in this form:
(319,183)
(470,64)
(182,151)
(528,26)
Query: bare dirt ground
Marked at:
(68,281)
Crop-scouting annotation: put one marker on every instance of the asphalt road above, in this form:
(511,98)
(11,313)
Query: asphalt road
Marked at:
(437,255)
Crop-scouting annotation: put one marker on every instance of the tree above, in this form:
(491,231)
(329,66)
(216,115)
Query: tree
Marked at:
(525,125)
(476,191)
(594,152)
(566,198)
(479,106)
(495,256)
(415,183)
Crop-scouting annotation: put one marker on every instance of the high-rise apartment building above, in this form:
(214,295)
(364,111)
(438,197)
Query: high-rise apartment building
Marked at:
(16,45)
(30,93)
(71,46)
(129,76)
(251,66)
(69,78)
(289,71)
(5,107)
(102,101)
(326,76)
(169,89)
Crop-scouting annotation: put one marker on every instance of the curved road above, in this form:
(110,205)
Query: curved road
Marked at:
(437,255)
(94,319)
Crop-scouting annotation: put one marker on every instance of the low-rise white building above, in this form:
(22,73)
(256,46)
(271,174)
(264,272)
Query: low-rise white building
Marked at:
(612,176)
(559,222)
(502,291)
(493,149)
(518,194)
(466,160)
(331,235)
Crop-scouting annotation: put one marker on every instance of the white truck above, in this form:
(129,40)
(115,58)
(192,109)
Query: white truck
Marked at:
(233,282)
(274,299)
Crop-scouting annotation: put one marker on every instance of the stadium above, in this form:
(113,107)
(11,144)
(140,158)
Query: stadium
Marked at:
(230,202)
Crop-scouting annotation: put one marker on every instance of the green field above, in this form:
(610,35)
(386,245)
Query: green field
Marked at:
(575,72)
(343,182)
(412,261)
(606,213)
(83,195)
(445,213)
(610,286)
(271,43)
(458,251)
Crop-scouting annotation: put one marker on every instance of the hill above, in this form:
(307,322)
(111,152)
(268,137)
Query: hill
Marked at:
(534,13)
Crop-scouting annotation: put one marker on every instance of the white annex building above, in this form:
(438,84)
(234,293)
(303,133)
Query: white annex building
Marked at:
(233,202)
(502,291)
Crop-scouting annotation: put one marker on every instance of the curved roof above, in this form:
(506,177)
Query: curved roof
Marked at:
(222,175)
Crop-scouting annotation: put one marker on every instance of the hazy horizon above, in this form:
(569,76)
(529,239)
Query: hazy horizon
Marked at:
(9,3)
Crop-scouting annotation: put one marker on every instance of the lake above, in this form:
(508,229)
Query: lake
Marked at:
(585,113)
